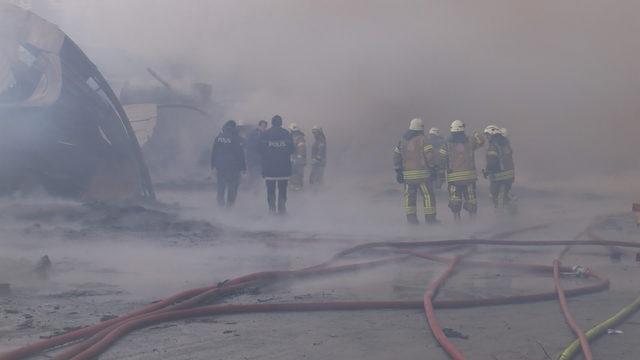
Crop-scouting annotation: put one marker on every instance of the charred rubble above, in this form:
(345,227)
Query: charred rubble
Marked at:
(62,127)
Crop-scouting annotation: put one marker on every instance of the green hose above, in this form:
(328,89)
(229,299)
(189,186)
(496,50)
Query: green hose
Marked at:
(596,331)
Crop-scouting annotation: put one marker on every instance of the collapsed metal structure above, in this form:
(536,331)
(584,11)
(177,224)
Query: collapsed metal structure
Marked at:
(61,126)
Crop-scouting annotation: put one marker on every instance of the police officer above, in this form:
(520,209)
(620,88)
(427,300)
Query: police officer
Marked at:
(276,147)
(227,157)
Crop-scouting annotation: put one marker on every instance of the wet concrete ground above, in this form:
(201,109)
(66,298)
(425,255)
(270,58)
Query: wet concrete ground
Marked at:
(108,261)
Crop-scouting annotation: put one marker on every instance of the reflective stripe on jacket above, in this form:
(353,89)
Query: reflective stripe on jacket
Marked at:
(319,151)
(500,164)
(412,157)
(299,157)
(459,153)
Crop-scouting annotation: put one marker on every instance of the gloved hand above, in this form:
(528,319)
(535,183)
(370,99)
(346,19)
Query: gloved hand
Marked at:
(399,177)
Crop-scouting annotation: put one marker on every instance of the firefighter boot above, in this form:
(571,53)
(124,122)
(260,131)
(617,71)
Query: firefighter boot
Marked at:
(430,219)
(412,219)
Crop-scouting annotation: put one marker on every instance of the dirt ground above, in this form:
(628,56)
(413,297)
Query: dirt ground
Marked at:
(109,260)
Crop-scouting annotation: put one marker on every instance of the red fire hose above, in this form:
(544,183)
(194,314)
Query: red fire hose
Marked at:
(491,242)
(148,320)
(185,297)
(431,317)
(584,343)
(184,304)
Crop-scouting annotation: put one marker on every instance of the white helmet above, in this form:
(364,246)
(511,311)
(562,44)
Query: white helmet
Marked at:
(317,129)
(457,126)
(293,127)
(492,130)
(416,124)
(504,132)
(434,131)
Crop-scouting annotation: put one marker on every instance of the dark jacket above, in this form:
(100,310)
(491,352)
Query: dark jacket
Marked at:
(300,148)
(276,147)
(319,150)
(254,156)
(500,165)
(227,154)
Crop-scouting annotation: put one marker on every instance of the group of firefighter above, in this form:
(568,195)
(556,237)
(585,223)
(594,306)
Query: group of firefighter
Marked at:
(424,162)
(274,153)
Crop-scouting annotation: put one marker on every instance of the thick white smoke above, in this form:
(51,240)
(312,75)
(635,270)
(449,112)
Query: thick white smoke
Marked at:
(562,76)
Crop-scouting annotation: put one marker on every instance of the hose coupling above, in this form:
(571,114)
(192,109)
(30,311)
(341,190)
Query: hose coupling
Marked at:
(581,271)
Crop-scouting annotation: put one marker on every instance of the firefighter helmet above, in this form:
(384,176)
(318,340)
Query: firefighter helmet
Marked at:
(457,126)
(416,124)
(492,130)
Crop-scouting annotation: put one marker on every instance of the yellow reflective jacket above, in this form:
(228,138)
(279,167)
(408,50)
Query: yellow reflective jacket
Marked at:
(299,156)
(413,156)
(500,165)
(459,156)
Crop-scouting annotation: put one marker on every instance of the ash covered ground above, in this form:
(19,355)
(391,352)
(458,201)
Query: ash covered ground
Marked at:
(110,260)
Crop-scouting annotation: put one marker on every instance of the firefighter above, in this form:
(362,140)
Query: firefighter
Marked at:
(438,172)
(459,155)
(318,156)
(412,159)
(227,158)
(276,147)
(500,167)
(298,158)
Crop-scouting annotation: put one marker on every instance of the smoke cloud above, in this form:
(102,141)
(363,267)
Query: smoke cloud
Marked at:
(563,77)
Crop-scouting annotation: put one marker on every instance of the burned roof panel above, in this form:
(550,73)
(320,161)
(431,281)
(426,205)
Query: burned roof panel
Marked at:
(63,128)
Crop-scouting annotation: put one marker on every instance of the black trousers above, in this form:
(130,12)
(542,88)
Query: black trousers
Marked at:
(282,195)
(228,188)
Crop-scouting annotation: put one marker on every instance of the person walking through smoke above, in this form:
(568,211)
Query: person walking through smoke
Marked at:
(413,157)
(318,156)
(500,169)
(276,147)
(436,141)
(459,155)
(298,158)
(227,158)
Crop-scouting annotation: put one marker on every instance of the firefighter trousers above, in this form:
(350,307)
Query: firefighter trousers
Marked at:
(411,199)
(317,174)
(463,196)
(500,193)
(297,177)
